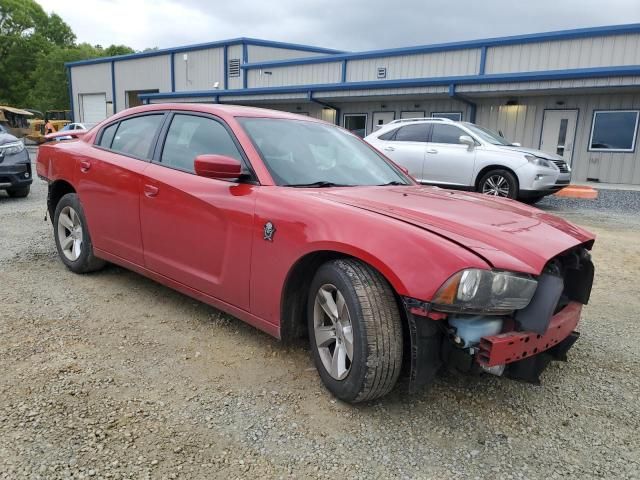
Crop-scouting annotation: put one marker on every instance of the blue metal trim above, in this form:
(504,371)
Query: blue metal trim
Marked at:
(343,74)
(245,59)
(577,73)
(483,59)
(70,88)
(202,46)
(226,66)
(468,44)
(172,68)
(113,86)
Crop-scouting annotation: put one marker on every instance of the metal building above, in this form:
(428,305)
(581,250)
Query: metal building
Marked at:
(573,92)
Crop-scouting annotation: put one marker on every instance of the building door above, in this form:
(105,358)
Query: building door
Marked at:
(382,118)
(559,132)
(93,108)
(412,114)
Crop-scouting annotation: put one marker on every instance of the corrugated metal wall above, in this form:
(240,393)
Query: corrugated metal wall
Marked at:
(523,123)
(460,62)
(296,75)
(201,69)
(90,79)
(259,53)
(142,74)
(563,54)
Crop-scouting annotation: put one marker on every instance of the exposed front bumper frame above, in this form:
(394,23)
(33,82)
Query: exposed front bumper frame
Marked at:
(511,347)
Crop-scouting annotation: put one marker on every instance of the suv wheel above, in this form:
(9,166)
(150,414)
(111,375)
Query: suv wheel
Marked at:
(355,330)
(499,183)
(72,236)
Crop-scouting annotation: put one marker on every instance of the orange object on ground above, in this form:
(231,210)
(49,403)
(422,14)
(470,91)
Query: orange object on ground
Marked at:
(578,191)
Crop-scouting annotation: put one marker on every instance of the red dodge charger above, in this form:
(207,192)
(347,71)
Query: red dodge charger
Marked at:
(298,227)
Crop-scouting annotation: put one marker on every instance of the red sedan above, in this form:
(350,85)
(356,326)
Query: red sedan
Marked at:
(300,228)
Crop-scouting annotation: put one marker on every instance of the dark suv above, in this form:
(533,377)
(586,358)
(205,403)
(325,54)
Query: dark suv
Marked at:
(15,166)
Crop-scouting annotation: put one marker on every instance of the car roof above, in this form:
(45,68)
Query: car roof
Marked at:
(221,110)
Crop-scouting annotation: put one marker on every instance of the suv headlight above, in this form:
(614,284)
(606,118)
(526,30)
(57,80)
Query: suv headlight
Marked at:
(541,162)
(11,148)
(485,291)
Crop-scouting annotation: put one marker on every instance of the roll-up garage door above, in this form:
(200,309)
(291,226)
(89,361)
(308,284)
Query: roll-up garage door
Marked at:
(93,108)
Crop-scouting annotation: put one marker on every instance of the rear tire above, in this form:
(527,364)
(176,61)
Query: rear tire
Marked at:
(364,314)
(72,236)
(19,192)
(499,183)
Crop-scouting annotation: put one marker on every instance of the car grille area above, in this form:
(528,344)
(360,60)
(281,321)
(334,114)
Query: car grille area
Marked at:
(562,165)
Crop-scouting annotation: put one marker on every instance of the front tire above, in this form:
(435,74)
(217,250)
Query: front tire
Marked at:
(72,236)
(355,330)
(499,183)
(19,192)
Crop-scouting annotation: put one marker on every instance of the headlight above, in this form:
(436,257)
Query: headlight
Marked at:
(541,162)
(11,148)
(485,291)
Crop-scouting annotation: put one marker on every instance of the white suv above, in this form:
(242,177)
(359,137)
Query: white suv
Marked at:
(452,154)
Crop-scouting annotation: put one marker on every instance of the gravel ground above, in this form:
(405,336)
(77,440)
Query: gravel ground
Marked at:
(111,375)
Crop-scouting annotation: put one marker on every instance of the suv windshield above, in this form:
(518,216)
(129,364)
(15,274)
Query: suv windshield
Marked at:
(487,135)
(300,153)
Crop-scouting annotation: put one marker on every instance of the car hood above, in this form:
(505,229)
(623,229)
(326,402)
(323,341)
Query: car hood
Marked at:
(506,234)
(7,138)
(533,151)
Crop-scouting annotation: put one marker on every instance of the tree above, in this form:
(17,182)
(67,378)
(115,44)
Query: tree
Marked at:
(34,47)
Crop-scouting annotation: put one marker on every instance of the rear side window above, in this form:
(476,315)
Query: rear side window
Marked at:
(446,134)
(190,136)
(135,136)
(107,135)
(413,133)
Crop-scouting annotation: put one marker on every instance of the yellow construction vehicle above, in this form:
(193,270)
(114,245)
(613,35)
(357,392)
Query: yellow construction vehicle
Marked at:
(58,118)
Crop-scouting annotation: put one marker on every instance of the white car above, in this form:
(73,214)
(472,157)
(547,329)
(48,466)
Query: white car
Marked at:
(451,154)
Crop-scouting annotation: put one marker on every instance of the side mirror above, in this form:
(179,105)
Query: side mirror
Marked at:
(516,144)
(217,166)
(468,141)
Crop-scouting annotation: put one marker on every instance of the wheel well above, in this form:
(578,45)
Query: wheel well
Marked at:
(482,172)
(57,190)
(293,318)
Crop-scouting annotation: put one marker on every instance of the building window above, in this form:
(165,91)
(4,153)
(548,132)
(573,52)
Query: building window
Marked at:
(234,67)
(455,116)
(614,131)
(356,123)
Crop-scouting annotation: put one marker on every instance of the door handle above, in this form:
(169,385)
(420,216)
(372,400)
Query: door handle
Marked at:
(151,190)
(389,149)
(432,150)
(85,165)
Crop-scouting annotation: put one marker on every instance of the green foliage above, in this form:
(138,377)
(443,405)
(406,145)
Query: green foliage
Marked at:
(34,47)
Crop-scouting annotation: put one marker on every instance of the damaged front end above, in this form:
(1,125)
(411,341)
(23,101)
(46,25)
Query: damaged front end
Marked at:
(467,328)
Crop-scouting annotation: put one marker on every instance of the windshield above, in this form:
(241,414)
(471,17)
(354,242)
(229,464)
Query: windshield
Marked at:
(487,135)
(302,153)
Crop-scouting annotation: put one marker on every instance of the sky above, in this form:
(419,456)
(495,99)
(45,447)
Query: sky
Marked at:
(341,24)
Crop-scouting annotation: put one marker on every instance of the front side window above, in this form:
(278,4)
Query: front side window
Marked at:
(190,136)
(413,133)
(614,131)
(357,124)
(135,136)
(443,133)
(487,135)
(303,153)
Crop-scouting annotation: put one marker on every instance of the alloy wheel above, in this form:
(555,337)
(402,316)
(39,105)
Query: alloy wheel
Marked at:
(333,331)
(70,233)
(496,185)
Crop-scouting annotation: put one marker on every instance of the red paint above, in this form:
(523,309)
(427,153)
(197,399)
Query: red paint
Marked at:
(204,236)
(513,346)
